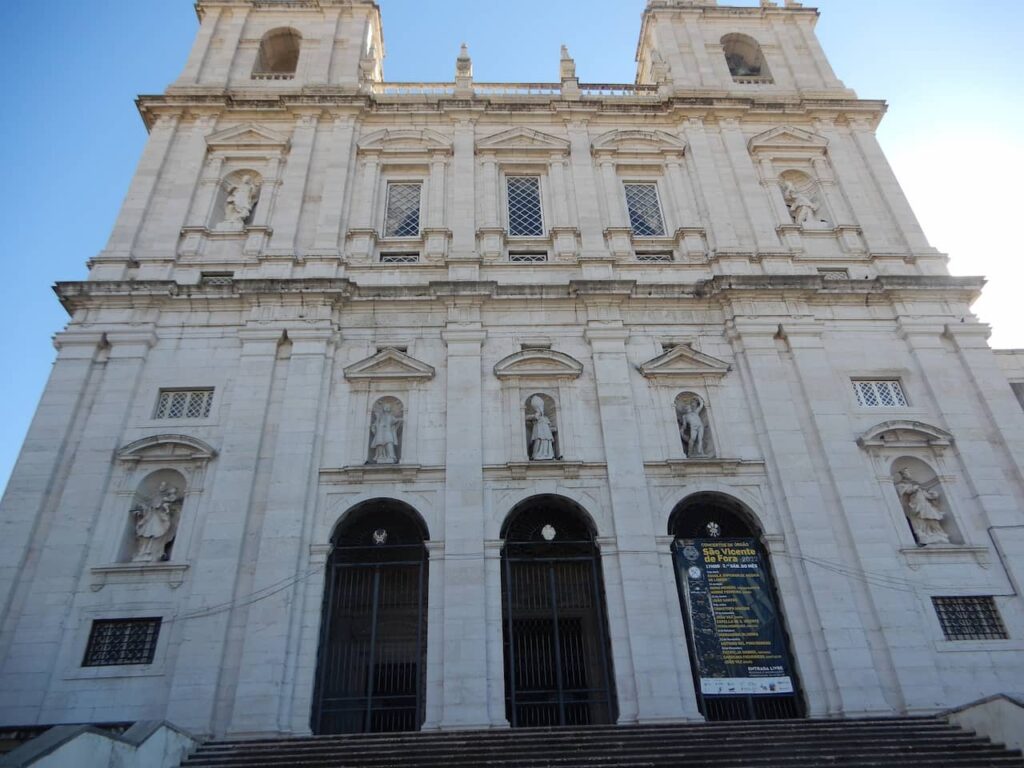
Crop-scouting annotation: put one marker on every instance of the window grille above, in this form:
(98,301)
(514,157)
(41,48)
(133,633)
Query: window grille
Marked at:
(399,258)
(654,256)
(184,403)
(527,258)
(403,210)
(644,210)
(969,618)
(879,393)
(524,212)
(834,274)
(114,642)
(216,278)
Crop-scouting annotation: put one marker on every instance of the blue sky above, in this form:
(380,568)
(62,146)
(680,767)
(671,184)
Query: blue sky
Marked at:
(950,70)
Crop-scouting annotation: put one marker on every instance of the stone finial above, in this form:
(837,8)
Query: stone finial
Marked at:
(567,66)
(463,64)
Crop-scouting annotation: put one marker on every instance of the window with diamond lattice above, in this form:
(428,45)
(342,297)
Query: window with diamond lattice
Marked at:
(969,618)
(403,210)
(524,212)
(114,642)
(879,393)
(644,210)
(184,403)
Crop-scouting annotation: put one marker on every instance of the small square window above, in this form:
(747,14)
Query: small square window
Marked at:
(399,258)
(184,403)
(879,393)
(524,212)
(969,618)
(525,257)
(115,642)
(402,218)
(644,210)
(654,255)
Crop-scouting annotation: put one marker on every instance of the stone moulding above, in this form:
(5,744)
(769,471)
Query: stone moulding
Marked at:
(388,365)
(684,362)
(538,364)
(933,554)
(171,574)
(522,470)
(167,448)
(710,467)
(372,473)
(902,433)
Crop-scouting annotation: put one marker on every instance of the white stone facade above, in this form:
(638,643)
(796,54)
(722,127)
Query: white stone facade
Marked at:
(299,314)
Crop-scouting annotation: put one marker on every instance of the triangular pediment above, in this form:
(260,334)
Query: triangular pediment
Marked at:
(389,363)
(522,139)
(247,136)
(404,141)
(683,361)
(538,364)
(787,137)
(638,142)
(167,448)
(902,433)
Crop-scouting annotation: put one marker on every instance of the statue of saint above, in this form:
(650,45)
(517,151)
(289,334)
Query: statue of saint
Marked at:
(155,524)
(542,436)
(801,207)
(240,201)
(919,505)
(691,427)
(384,429)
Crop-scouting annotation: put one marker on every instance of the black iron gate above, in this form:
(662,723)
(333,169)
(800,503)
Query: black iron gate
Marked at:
(557,669)
(372,652)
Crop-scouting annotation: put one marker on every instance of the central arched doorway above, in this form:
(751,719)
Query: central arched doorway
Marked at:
(372,660)
(557,654)
(739,650)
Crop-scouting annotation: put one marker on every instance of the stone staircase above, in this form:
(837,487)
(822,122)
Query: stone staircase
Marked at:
(857,743)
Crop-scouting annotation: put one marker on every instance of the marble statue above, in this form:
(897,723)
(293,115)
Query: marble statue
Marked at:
(240,201)
(542,437)
(691,427)
(384,431)
(156,522)
(920,506)
(801,207)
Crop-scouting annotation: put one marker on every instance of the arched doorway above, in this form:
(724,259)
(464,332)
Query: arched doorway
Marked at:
(557,654)
(739,649)
(372,660)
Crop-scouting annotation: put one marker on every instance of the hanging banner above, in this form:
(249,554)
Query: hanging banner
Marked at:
(737,637)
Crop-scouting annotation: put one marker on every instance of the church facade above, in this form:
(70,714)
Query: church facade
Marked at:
(399,406)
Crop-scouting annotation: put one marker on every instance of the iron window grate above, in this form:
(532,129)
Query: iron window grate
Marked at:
(644,210)
(524,213)
(399,258)
(879,393)
(527,258)
(834,274)
(184,403)
(969,618)
(654,256)
(403,210)
(115,642)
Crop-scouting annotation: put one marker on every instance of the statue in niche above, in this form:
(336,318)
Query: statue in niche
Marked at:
(690,415)
(384,442)
(240,201)
(541,430)
(921,508)
(802,207)
(156,522)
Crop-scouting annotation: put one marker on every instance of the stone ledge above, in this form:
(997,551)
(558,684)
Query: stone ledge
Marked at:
(710,466)
(360,473)
(171,574)
(521,470)
(915,557)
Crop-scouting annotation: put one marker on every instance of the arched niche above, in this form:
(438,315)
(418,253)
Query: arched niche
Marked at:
(153,518)
(541,420)
(804,200)
(238,194)
(694,426)
(278,53)
(387,417)
(744,58)
(924,502)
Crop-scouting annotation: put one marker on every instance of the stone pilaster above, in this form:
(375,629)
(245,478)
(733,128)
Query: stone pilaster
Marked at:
(288,204)
(332,199)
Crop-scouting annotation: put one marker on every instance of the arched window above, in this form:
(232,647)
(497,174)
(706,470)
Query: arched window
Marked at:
(278,57)
(745,60)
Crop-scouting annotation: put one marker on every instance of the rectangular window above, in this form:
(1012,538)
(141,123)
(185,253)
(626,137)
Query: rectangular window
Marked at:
(402,218)
(114,642)
(654,255)
(1018,390)
(524,212)
(969,618)
(184,403)
(879,393)
(523,257)
(644,210)
(399,258)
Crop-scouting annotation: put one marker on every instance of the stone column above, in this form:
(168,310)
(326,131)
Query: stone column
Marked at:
(489,199)
(434,694)
(465,696)
(612,197)
(216,67)
(262,700)
(495,638)
(201,638)
(435,190)
(709,185)
(751,195)
(289,200)
(584,183)
(658,694)
(31,650)
(463,201)
(318,69)
(200,48)
(332,198)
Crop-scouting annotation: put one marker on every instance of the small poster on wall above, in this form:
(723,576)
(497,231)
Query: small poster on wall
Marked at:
(737,638)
